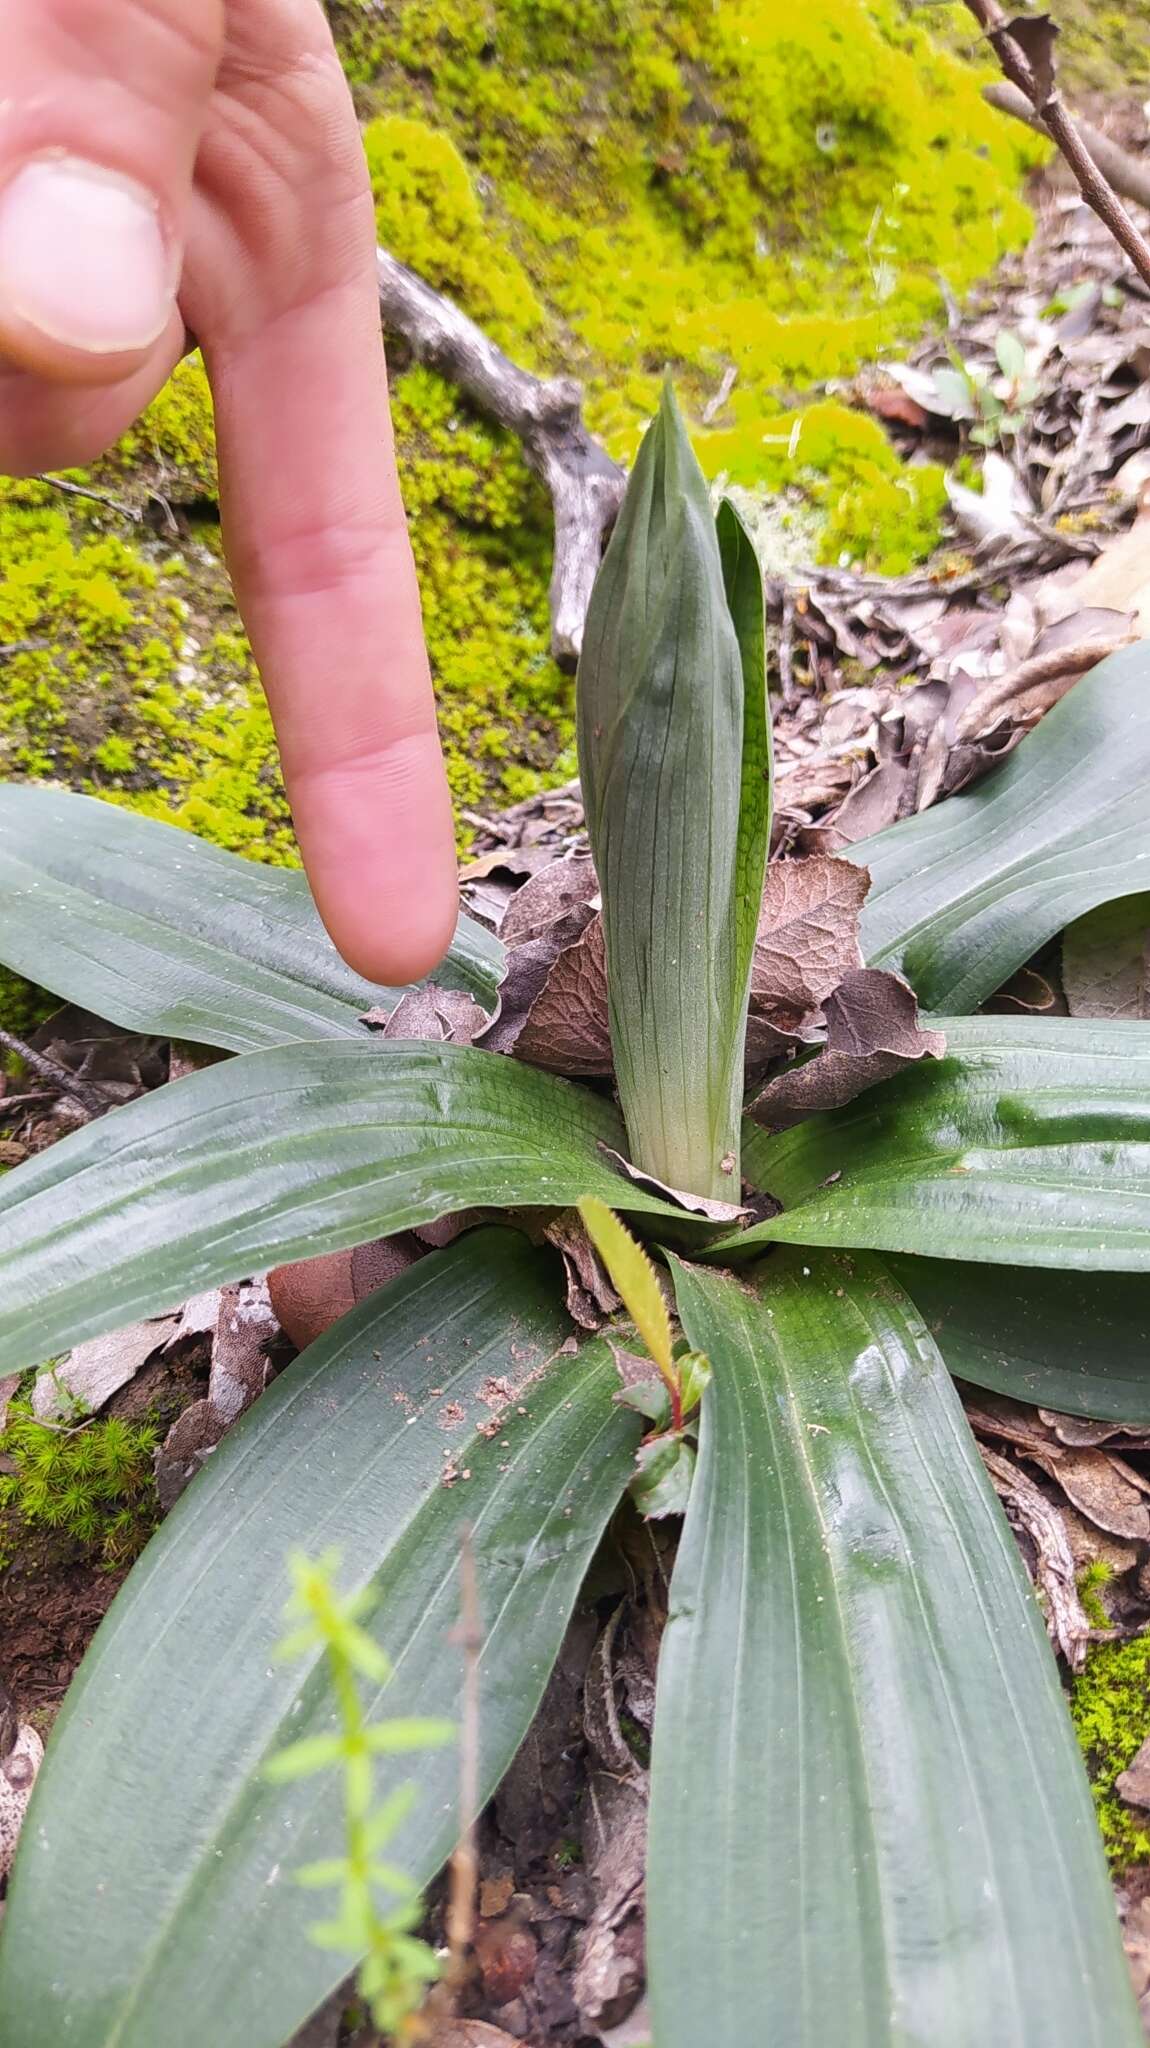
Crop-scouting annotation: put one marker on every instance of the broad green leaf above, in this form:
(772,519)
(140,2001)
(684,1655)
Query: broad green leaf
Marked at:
(1027,1144)
(965,893)
(154,1904)
(634,1278)
(660,709)
(1078,1342)
(869,1819)
(159,931)
(278,1156)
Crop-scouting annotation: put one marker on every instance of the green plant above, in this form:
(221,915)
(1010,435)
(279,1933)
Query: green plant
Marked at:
(396,1967)
(89,1481)
(1110,1702)
(995,406)
(861,1754)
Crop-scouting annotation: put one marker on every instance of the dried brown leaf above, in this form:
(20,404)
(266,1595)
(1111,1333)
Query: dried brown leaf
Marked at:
(1100,1489)
(553,893)
(696,1205)
(17,1777)
(566,1029)
(1104,960)
(448,1015)
(807,939)
(97,1370)
(1133,1784)
(9,1382)
(1036,35)
(872,1032)
(1079,1434)
(591,1299)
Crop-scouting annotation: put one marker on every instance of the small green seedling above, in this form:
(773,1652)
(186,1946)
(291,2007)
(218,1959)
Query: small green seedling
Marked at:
(665,1461)
(397,1967)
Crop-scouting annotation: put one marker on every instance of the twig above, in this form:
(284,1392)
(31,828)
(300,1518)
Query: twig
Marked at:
(1035,80)
(586,486)
(70,490)
(1129,175)
(787,646)
(1061,665)
(463,1882)
(85,1094)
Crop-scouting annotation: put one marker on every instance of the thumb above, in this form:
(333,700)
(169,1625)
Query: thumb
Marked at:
(99,126)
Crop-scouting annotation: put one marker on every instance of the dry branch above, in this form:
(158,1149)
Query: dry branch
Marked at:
(586,486)
(1025,49)
(1129,175)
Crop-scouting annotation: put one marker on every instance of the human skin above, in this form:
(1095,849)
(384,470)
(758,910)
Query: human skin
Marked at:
(176,168)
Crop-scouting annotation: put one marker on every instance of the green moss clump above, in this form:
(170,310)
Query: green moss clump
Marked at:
(429,217)
(481,531)
(1110,1703)
(174,441)
(877,511)
(22,1008)
(91,1484)
(129,677)
(887,523)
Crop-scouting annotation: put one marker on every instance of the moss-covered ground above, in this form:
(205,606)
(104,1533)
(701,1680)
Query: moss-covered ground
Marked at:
(753,189)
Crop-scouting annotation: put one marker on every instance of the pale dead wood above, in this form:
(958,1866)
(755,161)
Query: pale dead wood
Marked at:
(1129,175)
(87,1096)
(585,485)
(1066,1618)
(1063,665)
(1036,81)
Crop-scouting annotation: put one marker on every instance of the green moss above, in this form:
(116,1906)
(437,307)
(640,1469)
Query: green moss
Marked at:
(22,1006)
(429,217)
(91,1484)
(129,677)
(1110,1703)
(174,442)
(887,523)
(1090,1582)
(608,188)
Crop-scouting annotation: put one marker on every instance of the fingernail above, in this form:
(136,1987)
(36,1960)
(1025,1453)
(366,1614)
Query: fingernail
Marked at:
(83,256)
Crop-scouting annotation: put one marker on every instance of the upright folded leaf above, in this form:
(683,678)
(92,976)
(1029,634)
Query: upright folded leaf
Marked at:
(861,1755)
(159,931)
(153,1906)
(662,739)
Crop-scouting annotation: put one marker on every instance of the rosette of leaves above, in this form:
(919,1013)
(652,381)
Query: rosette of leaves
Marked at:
(869,1821)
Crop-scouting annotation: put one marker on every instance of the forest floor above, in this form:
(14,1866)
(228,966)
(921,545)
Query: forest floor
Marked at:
(890,695)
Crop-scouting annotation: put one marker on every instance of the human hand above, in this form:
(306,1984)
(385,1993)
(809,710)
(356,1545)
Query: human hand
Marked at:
(176,165)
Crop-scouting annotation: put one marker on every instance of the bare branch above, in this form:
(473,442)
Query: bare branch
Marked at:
(87,1095)
(1028,62)
(586,486)
(1129,175)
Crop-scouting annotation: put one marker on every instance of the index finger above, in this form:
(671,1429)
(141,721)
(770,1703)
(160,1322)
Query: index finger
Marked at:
(321,562)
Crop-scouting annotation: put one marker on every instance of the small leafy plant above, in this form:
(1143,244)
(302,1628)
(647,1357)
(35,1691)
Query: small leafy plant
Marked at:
(88,1481)
(396,1967)
(869,1818)
(995,406)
